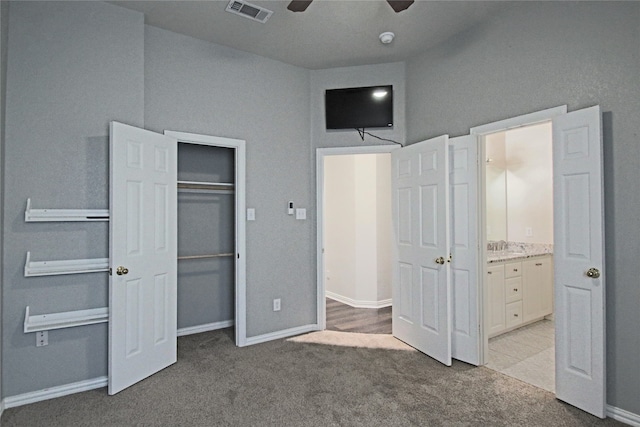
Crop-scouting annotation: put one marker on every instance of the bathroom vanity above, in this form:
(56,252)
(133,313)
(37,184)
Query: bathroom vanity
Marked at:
(520,289)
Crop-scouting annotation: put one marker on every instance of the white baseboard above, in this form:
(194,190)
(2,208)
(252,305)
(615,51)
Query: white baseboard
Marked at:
(281,334)
(53,392)
(205,328)
(623,416)
(358,303)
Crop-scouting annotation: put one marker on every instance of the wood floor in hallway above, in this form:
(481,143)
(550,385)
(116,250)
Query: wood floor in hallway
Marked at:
(344,318)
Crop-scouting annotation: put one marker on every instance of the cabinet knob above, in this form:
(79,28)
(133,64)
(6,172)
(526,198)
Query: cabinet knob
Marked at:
(515,269)
(515,314)
(538,264)
(515,289)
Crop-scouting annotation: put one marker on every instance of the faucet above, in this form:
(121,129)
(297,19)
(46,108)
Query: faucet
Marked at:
(499,246)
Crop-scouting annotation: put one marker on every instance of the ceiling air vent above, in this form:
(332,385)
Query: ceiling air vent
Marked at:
(249,10)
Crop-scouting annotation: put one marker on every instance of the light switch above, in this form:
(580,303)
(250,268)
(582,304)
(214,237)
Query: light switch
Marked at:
(251,214)
(301,213)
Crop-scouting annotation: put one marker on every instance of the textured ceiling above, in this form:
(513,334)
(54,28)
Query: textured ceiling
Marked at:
(329,34)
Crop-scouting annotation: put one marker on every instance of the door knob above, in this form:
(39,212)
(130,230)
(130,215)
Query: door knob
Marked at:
(439,260)
(121,270)
(594,273)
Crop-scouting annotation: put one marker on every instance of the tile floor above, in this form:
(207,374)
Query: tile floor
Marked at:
(527,353)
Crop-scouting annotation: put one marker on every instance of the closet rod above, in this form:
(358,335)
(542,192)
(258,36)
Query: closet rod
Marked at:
(205,185)
(205,256)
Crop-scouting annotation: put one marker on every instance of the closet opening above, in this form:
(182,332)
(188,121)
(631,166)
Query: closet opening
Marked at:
(206,238)
(211,272)
(518,254)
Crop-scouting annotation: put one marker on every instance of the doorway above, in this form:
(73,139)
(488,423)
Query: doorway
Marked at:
(212,184)
(354,225)
(518,191)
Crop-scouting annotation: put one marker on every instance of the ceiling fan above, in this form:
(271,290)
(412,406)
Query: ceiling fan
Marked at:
(302,5)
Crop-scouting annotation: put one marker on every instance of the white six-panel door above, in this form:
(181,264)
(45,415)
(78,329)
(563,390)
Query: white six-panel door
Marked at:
(465,345)
(420,268)
(143,254)
(579,260)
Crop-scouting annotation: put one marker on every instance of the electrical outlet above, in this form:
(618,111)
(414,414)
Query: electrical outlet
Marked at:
(528,231)
(42,338)
(276,304)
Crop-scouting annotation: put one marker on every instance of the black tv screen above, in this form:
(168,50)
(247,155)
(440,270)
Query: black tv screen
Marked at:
(359,107)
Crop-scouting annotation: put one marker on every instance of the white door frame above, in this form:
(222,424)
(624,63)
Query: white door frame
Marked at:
(240,193)
(480,132)
(321,153)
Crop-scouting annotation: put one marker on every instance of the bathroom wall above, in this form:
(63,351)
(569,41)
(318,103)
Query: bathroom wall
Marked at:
(529,166)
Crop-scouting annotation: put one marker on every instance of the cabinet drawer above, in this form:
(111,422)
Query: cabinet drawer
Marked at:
(513,289)
(513,314)
(513,269)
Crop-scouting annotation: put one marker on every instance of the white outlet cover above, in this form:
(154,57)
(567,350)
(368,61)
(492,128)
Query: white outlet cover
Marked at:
(301,213)
(251,214)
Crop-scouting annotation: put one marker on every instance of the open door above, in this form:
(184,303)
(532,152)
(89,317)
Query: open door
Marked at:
(579,260)
(464,249)
(421,303)
(142,253)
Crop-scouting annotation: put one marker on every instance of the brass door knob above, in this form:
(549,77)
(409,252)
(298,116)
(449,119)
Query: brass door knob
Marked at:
(439,260)
(594,273)
(121,270)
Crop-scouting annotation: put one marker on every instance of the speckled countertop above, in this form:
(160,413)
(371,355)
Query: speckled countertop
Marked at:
(518,251)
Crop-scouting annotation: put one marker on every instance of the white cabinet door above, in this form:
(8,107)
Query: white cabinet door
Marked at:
(421,303)
(496,298)
(579,260)
(537,279)
(464,249)
(143,254)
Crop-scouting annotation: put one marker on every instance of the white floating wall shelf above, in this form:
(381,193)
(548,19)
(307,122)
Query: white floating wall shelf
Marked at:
(74,266)
(50,215)
(68,319)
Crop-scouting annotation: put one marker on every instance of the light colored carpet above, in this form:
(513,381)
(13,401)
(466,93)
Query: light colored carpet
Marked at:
(351,339)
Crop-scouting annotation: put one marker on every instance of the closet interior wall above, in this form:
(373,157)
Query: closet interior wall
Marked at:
(206,236)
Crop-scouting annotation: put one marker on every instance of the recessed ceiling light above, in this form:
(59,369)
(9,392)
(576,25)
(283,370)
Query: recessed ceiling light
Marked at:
(387,37)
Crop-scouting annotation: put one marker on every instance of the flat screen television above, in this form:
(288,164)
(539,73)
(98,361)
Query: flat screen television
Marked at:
(359,107)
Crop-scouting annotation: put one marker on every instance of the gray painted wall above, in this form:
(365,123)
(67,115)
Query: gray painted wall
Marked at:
(4,32)
(72,67)
(539,55)
(200,87)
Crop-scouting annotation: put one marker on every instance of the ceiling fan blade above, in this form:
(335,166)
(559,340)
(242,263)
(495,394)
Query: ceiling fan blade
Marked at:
(299,5)
(399,5)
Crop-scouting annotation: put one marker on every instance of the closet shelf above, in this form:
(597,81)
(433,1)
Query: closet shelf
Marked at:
(75,266)
(68,319)
(50,215)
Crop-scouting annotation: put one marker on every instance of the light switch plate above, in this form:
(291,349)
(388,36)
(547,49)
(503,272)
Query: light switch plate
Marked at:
(301,213)
(251,214)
